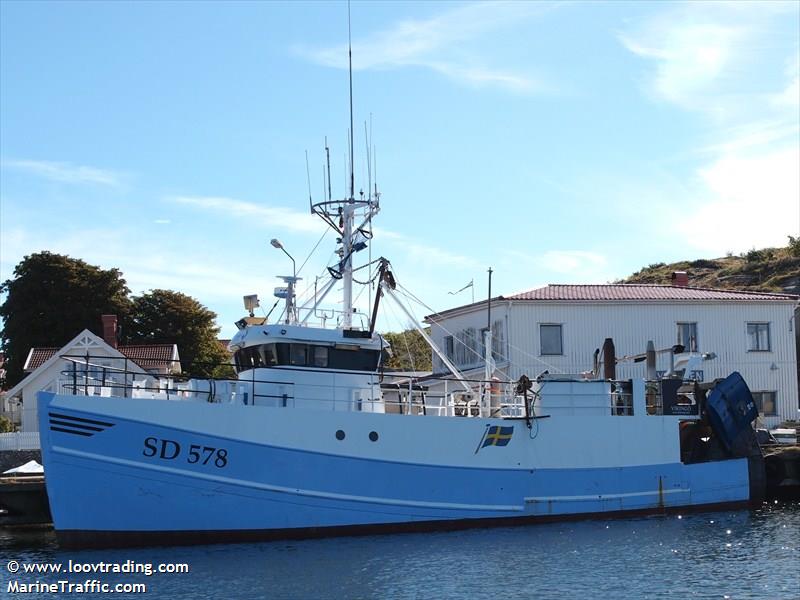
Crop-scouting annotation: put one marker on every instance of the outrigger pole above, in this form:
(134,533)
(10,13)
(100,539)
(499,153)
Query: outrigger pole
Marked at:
(387,287)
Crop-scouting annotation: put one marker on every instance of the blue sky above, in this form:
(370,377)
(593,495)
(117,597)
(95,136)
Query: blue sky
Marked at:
(554,142)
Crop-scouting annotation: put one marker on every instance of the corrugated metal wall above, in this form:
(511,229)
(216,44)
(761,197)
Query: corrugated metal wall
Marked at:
(721,328)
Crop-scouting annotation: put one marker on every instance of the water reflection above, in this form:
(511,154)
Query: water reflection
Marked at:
(737,554)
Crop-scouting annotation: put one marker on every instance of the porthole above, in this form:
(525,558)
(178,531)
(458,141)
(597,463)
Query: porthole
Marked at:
(339,434)
(373,436)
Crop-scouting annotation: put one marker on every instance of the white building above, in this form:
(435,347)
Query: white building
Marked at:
(558,327)
(94,364)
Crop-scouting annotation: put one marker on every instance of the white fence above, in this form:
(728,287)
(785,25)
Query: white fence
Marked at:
(21,440)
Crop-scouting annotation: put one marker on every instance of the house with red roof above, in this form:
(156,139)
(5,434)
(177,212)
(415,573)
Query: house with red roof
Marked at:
(558,328)
(88,364)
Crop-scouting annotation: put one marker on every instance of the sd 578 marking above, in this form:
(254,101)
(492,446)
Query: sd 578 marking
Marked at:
(164,449)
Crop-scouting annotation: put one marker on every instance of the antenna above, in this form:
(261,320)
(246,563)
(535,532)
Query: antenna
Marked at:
(350,60)
(328,158)
(369,153)
(369,166)
(308,177)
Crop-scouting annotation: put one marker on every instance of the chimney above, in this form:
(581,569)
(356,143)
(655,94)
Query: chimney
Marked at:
(609,360)
(680,278)
(110,329)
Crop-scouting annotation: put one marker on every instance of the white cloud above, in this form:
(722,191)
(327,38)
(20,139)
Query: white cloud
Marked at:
(752,135)
(691,59)
(274,217)
(747,202)
(65,172)
(424,255)
(206,273)
(789,98)
(440,43)
(727,61)
(482,76)
(712,57)
(438,256)
(572,266)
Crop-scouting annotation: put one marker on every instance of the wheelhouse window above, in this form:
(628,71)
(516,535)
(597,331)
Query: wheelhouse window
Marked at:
(758,338)
(344,358)
(765,401)
(297,354)
(267,352)
(687,336)
(348,358)
(550,339)
(318,356)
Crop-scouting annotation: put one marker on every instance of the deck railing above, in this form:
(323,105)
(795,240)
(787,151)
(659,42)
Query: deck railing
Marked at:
(431,396)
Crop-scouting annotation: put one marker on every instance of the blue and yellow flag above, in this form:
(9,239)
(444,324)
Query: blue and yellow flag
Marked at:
(496,435)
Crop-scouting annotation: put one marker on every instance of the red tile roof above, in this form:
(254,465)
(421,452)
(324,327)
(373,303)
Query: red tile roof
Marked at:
(626,292)
(150,356)
(642,292)
(38,357)
(147,356)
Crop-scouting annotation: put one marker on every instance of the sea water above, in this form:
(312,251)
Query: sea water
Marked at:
(732,554)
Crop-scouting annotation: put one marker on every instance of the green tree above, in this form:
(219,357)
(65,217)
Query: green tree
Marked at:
(168,317)
(50,299)
(794,246)
(6,426)
(410,351)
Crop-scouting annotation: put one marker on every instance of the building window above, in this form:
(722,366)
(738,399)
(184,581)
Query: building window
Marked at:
(765,401)
(449,350)
(550,340)
(758,337)
(498,340)
(467,348)
(481,342)
(687,336)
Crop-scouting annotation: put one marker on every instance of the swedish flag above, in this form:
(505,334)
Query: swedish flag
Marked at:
(497,435)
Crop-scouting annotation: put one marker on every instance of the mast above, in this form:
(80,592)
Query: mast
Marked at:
(347,264)
(341,215)
(349,208)
(487,345)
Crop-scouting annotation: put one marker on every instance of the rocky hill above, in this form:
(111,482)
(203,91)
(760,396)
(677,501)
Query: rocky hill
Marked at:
(766,270)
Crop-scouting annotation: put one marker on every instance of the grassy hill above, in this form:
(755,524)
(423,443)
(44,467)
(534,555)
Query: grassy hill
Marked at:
(766,270)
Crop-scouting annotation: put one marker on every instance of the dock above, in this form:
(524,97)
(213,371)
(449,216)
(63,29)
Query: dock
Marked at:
(782,464)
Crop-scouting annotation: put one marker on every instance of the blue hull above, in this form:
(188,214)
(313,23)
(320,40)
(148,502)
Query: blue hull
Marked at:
(112,480)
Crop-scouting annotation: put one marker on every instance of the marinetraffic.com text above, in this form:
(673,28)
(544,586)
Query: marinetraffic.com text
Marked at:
(21,581)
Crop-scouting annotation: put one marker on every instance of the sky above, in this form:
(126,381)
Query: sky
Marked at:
(554,142)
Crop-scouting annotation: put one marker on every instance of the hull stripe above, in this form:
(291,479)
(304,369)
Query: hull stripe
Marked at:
(593,497)
(73,431)
(75,425)
(81,419)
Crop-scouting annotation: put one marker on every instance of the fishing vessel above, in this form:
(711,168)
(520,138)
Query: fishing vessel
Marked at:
(310,440)
(306,443)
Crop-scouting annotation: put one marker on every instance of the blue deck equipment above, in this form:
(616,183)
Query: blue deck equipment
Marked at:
(731,409)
